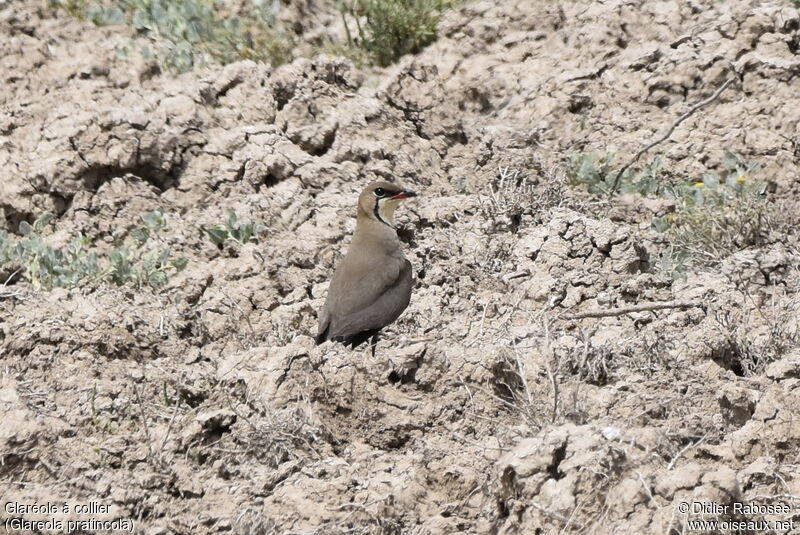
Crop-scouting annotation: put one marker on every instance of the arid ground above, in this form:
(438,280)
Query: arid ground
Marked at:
(558,370)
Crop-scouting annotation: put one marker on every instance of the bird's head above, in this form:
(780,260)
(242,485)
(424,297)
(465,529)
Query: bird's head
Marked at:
(379,200)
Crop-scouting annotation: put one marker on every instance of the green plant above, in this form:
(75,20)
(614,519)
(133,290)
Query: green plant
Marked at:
(128,262)
(712,218)
(47,267)
(240,233)
(674,262)
(44,266)
(73,8)
(717,216)
(597,173)
(182,34)
(389,29)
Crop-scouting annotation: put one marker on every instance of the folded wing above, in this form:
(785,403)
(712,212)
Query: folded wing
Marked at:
(362,299)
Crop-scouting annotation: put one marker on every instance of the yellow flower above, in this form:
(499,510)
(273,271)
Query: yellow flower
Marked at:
(741,179)
(671,218)
(699,184)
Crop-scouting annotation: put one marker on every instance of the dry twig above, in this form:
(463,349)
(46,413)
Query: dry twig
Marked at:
(685,449)
(669,132)
(634,308)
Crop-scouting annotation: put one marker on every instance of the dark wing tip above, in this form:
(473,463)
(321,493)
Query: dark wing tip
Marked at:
(324,326)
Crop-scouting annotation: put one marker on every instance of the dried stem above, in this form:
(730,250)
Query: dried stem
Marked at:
(684,450)
(634,308)
(672,128)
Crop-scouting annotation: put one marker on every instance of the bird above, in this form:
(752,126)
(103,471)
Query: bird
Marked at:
(371,286)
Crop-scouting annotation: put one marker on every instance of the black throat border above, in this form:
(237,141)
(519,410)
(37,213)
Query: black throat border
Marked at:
(378,214)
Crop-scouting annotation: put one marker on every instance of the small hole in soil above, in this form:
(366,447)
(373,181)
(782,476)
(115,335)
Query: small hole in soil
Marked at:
(502,509)
(558,456)
(736,368)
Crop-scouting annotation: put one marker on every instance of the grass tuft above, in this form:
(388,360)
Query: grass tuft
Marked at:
(388,29)
(183,34)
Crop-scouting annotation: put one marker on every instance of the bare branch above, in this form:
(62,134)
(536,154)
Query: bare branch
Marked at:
(672,128)
(634,308)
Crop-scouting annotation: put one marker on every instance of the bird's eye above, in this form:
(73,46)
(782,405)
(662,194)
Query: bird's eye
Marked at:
(380,192)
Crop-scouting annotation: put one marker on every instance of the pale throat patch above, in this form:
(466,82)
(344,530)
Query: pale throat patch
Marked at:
(386,208)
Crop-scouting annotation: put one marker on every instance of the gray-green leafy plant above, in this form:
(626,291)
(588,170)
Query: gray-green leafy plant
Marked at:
(674,262)
(597,173)
(235,231)
(129,262)
(717,216)
(182,34)
(712,218)
(46,266)
(388,29)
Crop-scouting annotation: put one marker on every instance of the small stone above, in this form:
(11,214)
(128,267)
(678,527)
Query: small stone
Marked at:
(220,419)
(611,433)
(784,369)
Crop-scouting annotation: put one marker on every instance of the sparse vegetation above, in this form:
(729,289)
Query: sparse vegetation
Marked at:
(388,29)
(130,263)
(513,194)
(74,8)
(598,364)
(182,34)
(235,231)
(597,173)
(46,266)
(713,217)
(756,337)
(717,216)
